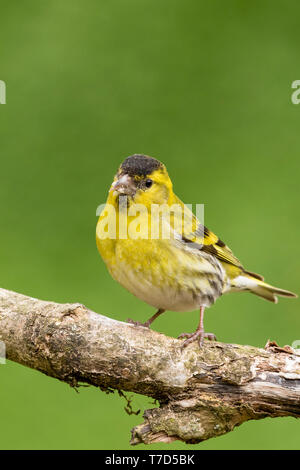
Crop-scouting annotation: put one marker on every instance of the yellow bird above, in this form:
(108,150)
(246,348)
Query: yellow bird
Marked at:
(167,263)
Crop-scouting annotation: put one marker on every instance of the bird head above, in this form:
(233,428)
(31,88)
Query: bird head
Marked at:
(144,180)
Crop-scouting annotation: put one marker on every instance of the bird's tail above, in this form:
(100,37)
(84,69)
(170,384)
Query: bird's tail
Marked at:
(255,283)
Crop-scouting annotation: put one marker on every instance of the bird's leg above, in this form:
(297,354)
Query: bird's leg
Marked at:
(148,322)
(199,333)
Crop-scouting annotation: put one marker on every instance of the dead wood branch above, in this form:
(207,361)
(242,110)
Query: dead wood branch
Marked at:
(202,393)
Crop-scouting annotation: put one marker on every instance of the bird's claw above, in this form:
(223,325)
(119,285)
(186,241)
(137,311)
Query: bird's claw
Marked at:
(199,336)
(137,323)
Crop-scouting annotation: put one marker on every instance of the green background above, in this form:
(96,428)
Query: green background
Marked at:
(205,86)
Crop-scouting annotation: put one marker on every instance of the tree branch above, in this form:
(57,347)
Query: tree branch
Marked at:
(202,393)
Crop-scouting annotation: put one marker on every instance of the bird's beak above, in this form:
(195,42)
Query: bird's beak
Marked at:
(124,185)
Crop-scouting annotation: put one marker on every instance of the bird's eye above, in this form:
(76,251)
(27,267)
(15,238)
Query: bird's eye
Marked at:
(148,183)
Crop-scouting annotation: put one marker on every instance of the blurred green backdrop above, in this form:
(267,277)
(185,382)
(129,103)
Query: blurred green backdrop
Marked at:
(206,88)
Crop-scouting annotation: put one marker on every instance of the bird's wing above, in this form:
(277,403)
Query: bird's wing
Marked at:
(201,238)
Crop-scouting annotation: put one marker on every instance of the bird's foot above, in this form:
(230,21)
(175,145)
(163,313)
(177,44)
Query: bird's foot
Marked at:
(199,336)
(137,323)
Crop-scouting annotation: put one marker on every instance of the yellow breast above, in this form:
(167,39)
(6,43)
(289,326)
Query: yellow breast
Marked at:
(159,271)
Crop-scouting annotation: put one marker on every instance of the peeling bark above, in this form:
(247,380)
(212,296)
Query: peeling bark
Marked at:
(202,393)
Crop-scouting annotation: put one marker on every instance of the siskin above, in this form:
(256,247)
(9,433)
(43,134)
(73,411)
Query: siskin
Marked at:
(185,271)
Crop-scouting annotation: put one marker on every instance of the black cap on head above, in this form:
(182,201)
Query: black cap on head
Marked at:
(140,165)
